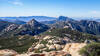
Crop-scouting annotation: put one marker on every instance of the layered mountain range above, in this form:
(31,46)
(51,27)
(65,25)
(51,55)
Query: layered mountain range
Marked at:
(87,26)
(34,27)
(28,18)
(31,28)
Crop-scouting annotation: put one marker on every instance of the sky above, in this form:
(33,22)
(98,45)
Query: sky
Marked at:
(54,8)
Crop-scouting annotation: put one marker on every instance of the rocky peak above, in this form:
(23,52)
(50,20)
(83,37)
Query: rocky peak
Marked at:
(32,22)
(63,18)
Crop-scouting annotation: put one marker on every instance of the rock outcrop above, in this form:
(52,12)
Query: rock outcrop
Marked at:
(73,48)
(11,27)
(52,53)
(70,49)
(7,52)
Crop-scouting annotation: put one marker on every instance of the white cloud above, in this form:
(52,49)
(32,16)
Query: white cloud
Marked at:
(95,12)
(16,2)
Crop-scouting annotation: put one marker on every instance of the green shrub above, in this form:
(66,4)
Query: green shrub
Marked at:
(19,45)
(74,35)
(43,42)
(92,49)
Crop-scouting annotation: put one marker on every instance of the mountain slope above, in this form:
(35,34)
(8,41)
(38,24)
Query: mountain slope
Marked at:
(91,27)
(74,35)
(53,37)
(31,28)
(4,24)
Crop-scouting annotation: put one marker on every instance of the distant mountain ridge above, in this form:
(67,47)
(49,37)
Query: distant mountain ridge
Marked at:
(16,21)
(28,18)
(87,18)
(59,19)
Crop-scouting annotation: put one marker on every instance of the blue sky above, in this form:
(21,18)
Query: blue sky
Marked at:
(55,8)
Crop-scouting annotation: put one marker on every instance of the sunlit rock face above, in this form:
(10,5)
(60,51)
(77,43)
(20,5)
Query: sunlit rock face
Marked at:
(11,27)
(7,52)
(73,48)
(52,53)
(69,49)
